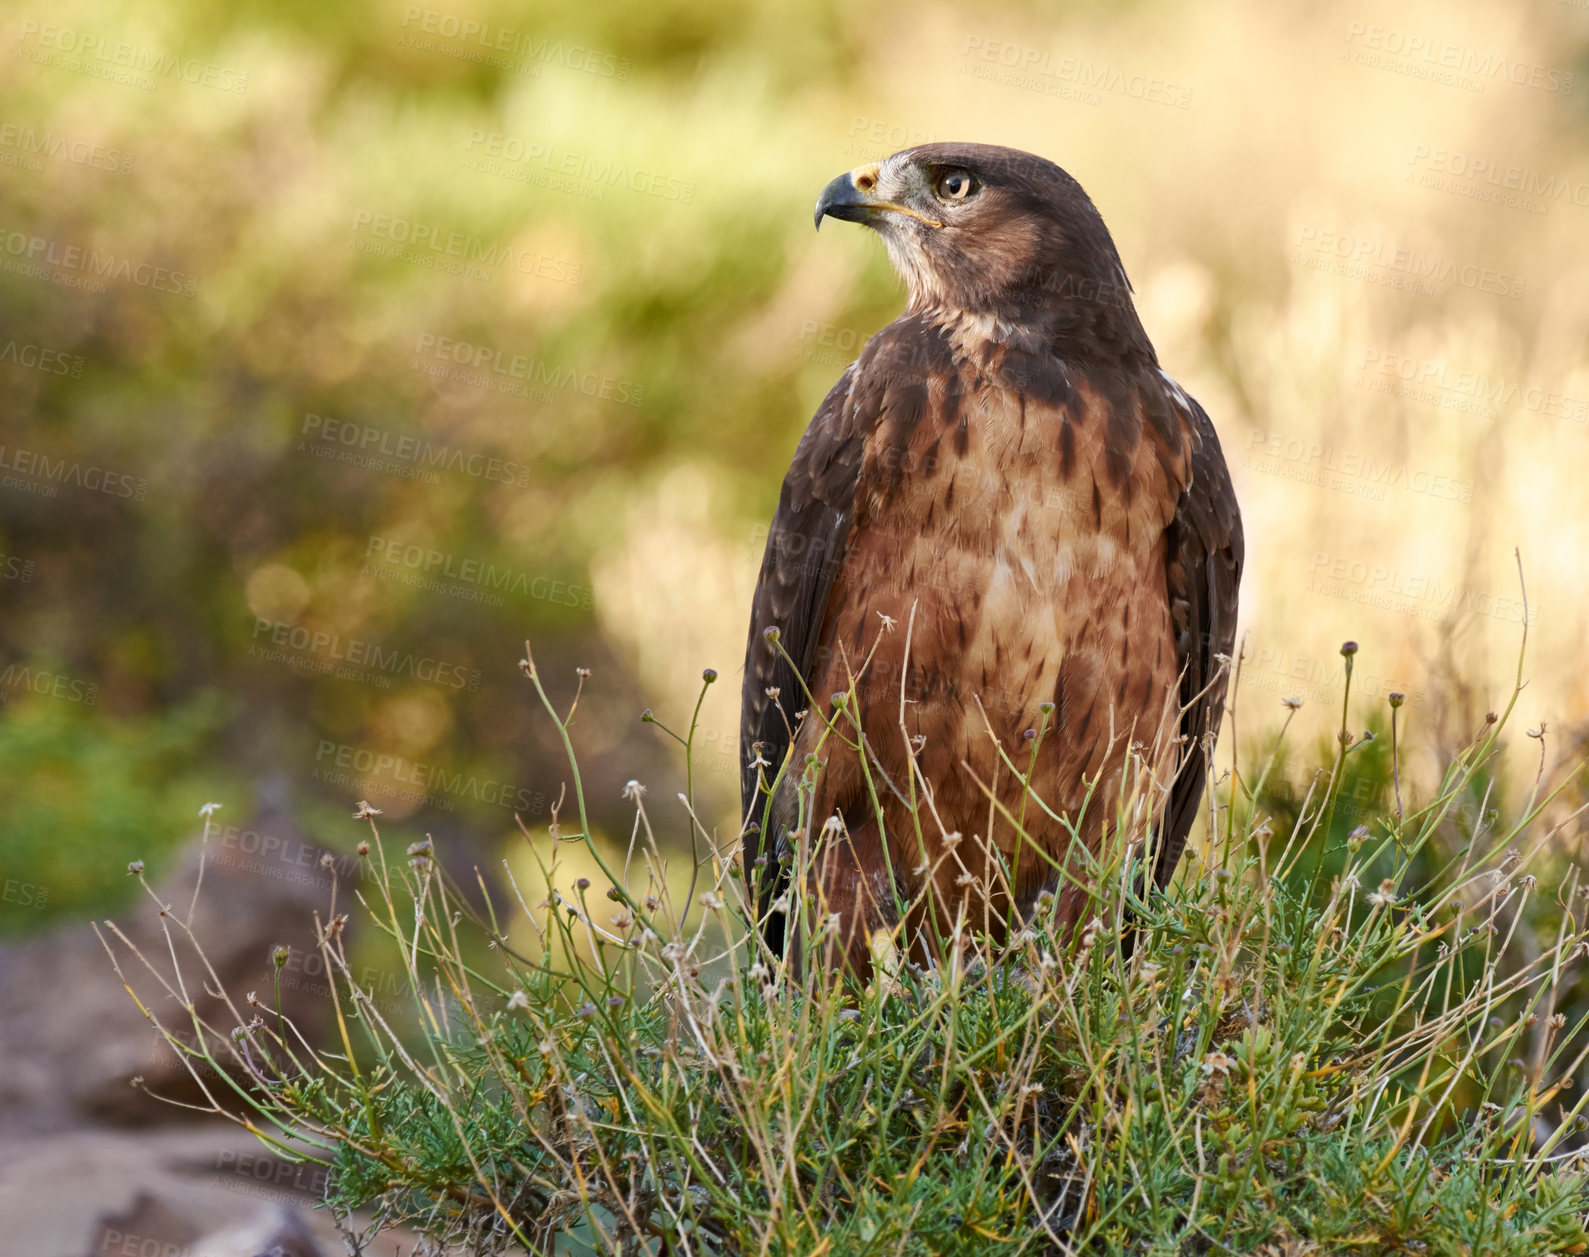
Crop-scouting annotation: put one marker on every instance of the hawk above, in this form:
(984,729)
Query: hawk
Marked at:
(1007,544)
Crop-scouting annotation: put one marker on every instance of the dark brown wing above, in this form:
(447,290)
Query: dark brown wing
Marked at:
(805,546)
(1204,569)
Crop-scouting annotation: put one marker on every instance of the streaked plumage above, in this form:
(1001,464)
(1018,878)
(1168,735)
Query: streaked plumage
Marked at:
(1044,516)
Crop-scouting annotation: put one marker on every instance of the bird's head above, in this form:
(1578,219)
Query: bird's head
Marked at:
(974,229)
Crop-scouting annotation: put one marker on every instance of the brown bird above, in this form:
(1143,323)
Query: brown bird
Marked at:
(1003,504)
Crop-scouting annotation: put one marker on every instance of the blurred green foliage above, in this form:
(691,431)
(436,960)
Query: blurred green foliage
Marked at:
(210,421)
(88,795)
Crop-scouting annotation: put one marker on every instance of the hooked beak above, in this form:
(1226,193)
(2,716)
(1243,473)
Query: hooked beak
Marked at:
(852,198)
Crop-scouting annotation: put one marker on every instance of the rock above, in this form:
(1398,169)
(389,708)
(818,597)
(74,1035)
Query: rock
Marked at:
(151,1193)
(205,1189)
(149,1224)
(277,1231)
(71,1037)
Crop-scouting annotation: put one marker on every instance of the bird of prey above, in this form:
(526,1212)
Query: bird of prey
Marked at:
(1009,540)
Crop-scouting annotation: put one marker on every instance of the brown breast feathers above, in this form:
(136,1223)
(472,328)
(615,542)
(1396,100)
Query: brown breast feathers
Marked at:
(1006,548)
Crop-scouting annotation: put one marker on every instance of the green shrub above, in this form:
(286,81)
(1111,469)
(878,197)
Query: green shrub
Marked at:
(1311,1044)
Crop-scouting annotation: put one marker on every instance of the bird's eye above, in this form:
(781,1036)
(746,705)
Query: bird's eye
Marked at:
(955,185)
